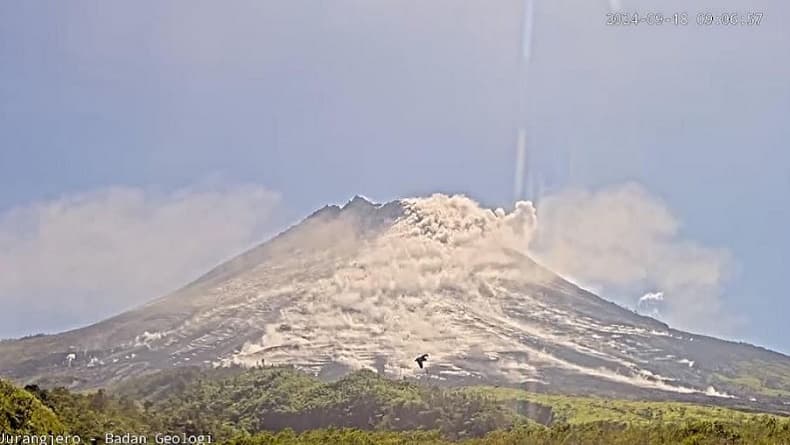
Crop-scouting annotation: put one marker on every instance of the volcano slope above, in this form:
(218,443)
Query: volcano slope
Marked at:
(374,286)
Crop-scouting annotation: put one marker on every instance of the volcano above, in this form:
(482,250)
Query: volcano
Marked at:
(368,285)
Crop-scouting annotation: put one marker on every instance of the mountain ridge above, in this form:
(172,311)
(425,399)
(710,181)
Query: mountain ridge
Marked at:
(370,285)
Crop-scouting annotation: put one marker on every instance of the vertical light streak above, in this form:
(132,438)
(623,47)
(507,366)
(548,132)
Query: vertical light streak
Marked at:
(522,150)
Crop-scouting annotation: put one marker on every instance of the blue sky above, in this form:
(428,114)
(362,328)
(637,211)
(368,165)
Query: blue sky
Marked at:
(185,131)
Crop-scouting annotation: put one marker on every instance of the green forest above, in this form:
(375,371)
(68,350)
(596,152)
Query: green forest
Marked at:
(284,406)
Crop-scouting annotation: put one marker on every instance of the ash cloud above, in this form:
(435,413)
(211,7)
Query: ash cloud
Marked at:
(434,281)
(448,254)
(82,257)
(402,290)
(621,240)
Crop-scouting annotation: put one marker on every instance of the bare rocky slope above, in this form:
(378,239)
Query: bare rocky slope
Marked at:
(373,286)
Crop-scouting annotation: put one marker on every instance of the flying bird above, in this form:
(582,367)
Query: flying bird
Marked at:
(421,359)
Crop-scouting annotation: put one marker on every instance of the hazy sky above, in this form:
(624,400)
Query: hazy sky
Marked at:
(142,142)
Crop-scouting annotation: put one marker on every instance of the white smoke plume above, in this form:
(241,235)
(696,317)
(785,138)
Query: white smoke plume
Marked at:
(651,297)
(649,303)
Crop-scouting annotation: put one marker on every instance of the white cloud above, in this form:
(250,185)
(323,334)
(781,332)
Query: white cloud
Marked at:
(622,240)
(89,255)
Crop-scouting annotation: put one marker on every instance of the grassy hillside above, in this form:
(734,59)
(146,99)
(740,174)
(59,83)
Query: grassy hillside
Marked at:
(585,410)
(22,413)
(765,431)
(284,406)
(94,414)
(278,398)
(770,379)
